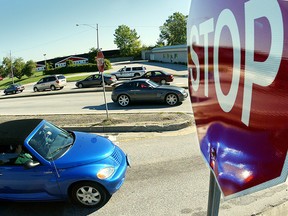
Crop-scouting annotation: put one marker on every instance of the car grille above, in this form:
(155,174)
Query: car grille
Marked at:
(117,156)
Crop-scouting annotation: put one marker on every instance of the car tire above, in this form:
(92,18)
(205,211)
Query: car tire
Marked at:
(171,99)
(36,89)
(80,85)
(89,194)
(163,82)
(52,87)
(123,100)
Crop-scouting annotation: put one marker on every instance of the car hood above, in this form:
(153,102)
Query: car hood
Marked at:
(87,148)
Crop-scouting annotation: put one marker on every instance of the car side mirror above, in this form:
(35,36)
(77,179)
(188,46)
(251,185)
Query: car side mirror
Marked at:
(31,164)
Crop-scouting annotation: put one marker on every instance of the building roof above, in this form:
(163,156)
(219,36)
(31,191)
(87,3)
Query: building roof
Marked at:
(182,47)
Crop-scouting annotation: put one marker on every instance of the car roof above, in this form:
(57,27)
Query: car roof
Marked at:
(16,131)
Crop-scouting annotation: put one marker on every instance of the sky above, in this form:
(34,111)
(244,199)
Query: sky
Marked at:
(45,29)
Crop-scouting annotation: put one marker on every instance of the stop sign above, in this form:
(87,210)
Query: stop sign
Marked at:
(100,61)
(238,84)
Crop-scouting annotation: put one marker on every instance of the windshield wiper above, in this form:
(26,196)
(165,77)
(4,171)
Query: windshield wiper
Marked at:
(60,148)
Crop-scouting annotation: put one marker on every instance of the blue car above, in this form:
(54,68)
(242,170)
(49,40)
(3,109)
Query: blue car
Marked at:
(40,162)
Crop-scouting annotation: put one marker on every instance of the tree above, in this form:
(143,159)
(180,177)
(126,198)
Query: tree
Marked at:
(29,67)
(19,67)
(173,30)
(127,41)
(92,55)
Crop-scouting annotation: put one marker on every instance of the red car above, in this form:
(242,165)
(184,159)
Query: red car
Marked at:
(158,76)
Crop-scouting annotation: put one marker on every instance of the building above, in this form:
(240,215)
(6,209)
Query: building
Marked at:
(170,54)
(75,59)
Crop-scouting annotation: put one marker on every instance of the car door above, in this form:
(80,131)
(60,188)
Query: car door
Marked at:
(142,91)
(41,84)
(19,183)
(89,81)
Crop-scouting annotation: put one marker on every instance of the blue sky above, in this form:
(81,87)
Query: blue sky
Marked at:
(32,28)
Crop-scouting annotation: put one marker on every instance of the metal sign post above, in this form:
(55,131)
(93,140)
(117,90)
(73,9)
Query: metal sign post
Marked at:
(101,65)
(214,196)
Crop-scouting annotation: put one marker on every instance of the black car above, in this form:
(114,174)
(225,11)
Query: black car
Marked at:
(157,76)
(14,88)
(143,90)
(96,80)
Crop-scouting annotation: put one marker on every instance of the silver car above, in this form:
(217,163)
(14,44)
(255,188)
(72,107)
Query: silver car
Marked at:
(51,82)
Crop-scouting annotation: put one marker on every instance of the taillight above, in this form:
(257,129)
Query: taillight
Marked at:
(57,81)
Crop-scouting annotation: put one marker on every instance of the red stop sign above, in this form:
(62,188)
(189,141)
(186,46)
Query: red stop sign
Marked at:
(238,84)
(100,61)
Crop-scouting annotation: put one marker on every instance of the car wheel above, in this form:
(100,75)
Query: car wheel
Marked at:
(171,99)
(163,82)
(89,194)
(123,100)
(52,87)
(80,85)
(36,89)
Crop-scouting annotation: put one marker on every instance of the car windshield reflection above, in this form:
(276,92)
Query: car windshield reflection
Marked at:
(51,142)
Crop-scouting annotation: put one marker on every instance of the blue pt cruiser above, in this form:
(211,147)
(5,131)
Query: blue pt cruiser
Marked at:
(40,161)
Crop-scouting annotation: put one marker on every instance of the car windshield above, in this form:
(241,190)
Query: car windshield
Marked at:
(51,142)
(153,84)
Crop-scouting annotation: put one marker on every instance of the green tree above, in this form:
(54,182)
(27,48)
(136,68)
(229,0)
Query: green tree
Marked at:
(127,40)
(19,67)
(92,55)
(29,67)
(173,31)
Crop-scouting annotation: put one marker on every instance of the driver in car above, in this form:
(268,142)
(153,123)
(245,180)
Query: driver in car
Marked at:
(22,156)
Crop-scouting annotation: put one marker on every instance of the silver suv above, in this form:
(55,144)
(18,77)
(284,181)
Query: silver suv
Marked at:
(51,82)
(128,72)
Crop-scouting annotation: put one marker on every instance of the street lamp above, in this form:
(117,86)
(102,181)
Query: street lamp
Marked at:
(96,28)
(45,68)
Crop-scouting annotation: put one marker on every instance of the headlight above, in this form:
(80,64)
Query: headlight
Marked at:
(105,172)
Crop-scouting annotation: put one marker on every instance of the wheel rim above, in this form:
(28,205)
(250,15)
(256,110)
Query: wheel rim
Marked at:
(35,89)
(52,88)
(88,195)
(163,82)
(80,85)
(171,99)
(123,100)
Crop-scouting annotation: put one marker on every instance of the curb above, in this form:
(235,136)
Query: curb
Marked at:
(130,128)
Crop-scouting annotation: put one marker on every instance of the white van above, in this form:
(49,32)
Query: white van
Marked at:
(128,72)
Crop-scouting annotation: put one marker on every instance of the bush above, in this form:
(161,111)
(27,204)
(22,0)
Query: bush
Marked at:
(78,68)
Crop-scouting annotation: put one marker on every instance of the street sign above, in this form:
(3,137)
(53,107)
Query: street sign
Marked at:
(238,84)
(100,61)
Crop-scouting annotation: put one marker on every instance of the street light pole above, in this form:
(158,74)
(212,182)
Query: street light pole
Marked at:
(45,68)
(97,33)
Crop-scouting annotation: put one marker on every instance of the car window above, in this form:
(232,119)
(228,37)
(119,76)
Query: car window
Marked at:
(137,68)
(40,81)
(50,79)
(128,69)
(61,77)
(89,78)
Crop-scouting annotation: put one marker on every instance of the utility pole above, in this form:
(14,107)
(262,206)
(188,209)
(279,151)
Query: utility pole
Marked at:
(12,74)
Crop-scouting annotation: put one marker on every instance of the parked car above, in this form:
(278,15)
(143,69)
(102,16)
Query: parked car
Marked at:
(157,76)
(146,90)
(96,80)
(128,72)
(84,167)
(14,88)
(51,82)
